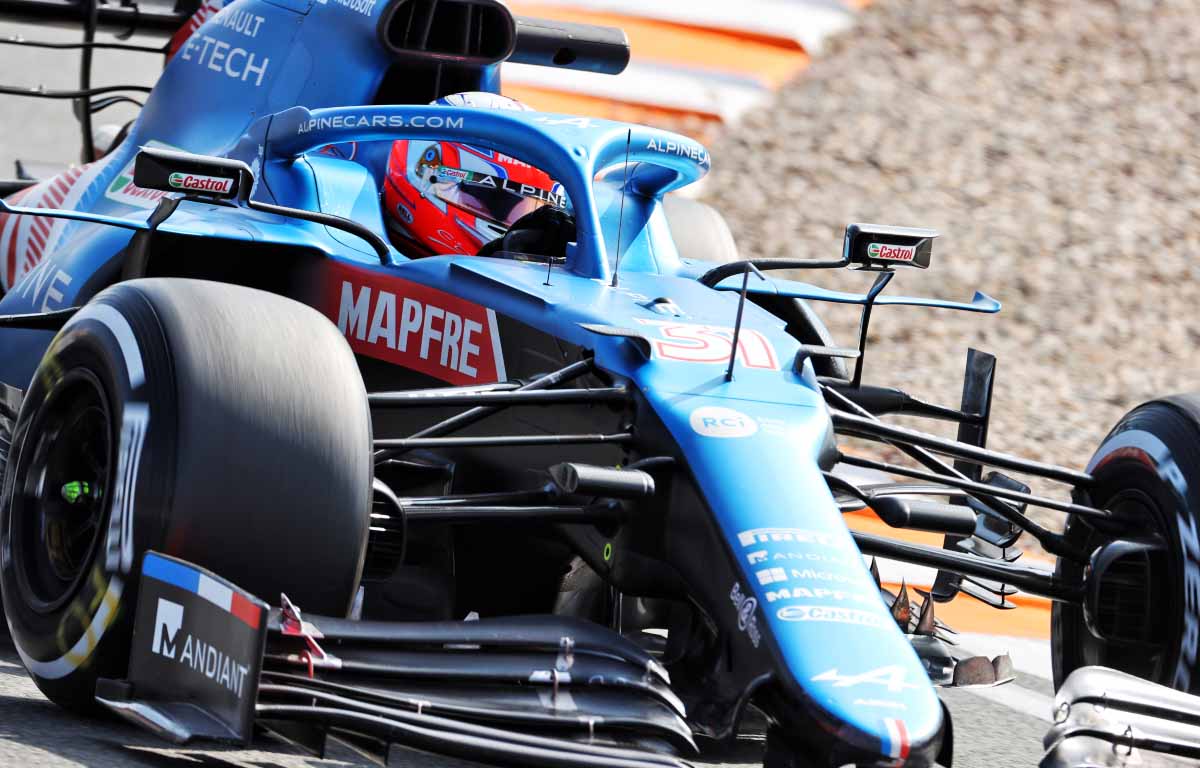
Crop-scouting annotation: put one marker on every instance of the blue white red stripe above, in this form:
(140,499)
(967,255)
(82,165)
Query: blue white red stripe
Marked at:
(896,744)
(191,580)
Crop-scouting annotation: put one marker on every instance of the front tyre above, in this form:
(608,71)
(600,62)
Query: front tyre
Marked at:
(1145,618)
(220,424)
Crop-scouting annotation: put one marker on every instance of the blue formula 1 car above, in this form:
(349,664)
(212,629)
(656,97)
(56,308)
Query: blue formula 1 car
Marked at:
(570,500)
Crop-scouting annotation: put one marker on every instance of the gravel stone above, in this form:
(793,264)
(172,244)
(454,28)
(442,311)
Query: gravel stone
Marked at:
(1054,144)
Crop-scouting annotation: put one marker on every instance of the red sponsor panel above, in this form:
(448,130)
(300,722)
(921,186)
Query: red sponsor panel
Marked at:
(414,326)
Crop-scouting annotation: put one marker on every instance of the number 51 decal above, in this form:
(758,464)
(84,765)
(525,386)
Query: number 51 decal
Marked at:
(692,343)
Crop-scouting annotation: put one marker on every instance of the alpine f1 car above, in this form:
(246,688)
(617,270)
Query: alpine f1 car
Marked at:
(572,499)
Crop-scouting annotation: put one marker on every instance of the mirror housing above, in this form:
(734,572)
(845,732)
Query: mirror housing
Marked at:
(877,246)
(201,176)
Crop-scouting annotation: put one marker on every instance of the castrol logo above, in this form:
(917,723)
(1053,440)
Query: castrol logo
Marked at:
(892,252)
(196,183)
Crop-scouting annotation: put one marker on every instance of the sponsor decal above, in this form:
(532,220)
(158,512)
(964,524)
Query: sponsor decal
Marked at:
(415,326)
(891,677)
(242,22)
(777,574)
(715,421)
(170,639)
(754,558)
(118,546)
(793,535)
(167,621)
(886,252)
(446,173)
(365,7)
(817,593)
(693,343)
(816,557)
(26,240)
(771,575)
(123,190)
(368,120)
(219,56)
(1191,589)
(830,613)
(44,285)
(688,149)
(198,183)
(556,196)
(745,607)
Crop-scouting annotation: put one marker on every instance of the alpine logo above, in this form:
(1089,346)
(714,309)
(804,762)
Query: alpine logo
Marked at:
(167,622)
(198,183)
(886,252)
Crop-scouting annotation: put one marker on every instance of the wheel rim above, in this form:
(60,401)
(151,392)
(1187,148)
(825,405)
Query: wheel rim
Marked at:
(63,491)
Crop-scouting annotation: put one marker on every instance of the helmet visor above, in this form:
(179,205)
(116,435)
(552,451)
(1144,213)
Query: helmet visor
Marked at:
(494,198)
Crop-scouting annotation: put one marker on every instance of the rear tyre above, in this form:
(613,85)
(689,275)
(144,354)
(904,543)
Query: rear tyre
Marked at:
(1147,468)
(220,424)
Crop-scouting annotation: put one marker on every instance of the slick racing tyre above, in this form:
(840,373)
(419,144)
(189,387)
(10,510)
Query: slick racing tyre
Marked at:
(1143,613)
(212,422)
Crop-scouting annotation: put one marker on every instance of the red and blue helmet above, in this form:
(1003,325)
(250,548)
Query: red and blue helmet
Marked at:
(446,197)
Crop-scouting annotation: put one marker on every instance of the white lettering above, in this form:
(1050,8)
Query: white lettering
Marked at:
(352,312)
(410,321)
(383,325)
(469,347)
(452,331)
(427,331)
(53,294)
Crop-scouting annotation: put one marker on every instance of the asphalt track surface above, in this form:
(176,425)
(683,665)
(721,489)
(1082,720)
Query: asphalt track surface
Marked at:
(993,727)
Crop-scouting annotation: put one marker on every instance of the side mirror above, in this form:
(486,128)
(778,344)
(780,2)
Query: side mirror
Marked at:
(194,175)
(875,246)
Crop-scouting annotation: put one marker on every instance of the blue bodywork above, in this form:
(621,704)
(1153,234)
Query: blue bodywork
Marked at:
(803,597)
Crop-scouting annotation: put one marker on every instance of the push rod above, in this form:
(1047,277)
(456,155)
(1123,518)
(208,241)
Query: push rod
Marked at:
(500,441)
(542,514)
(1028,579)
(516,397)
(478,413)
(1054,543)
(863,427)
(972,486)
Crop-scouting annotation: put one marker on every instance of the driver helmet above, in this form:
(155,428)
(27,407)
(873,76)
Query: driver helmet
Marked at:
(443,197)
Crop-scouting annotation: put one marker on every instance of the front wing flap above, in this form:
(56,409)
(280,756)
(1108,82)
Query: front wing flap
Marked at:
(209,661)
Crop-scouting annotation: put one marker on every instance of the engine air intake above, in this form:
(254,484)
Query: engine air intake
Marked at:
(472,32)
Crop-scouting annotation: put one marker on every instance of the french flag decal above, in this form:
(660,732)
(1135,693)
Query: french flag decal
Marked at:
(191,580)
(896,743)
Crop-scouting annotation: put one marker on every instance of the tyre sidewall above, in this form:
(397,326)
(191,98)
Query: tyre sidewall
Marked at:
(118,341)
(1153,451)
